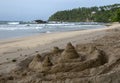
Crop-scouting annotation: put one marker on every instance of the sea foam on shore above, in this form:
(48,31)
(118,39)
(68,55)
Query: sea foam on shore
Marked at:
(21,30)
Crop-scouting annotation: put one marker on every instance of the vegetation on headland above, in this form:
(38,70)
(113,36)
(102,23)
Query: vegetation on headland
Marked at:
(109,13)
(116,16)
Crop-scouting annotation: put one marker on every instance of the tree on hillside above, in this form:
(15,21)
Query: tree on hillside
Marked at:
(89,14)
(116,17)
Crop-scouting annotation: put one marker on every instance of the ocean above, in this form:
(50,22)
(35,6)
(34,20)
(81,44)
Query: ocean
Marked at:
(21,30)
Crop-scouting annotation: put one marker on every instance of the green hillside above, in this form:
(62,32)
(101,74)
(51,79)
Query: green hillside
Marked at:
(84,14)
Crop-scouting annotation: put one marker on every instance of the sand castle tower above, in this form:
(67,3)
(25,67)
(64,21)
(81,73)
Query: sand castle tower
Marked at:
(91,49)
(35,61)
(47,62)
(46,65)
(41,66)
(55,50)
(69,52)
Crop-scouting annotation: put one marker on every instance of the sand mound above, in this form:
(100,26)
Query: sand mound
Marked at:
(86,48)
(40,66)
(37,58)
(69,52)
(56,50)
(98,58)
(36,62)
(91,49)
(47,62)
(69,46)
(45,66)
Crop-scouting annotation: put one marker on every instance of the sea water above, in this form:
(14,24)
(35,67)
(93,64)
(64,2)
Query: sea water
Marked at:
(21,30)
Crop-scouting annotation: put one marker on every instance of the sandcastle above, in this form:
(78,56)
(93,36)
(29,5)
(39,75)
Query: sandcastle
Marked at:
(69,52)
(35,62)
(40,65)
(47,62)
(69,60)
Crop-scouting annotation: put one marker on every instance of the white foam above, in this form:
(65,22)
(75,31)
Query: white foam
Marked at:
(20,28)
(48,32)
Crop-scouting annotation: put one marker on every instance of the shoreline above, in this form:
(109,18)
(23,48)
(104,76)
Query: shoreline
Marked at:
(11,37)
(45,34)
(22,48)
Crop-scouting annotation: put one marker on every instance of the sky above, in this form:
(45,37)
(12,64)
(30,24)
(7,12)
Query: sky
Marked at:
(28,10)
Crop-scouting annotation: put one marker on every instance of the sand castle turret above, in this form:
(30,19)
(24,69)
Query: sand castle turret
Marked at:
(46,65)
(37,57)
(55,50)
(35,61)
(69,52)
(91,49)
(47,62)
(38,65)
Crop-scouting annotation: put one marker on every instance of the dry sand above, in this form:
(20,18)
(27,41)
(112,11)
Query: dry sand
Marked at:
(21,48)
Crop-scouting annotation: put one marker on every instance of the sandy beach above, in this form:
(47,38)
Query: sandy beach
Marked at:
(92,54)
(59,41)
(21,48)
